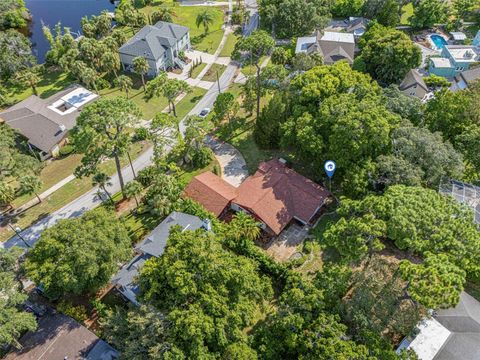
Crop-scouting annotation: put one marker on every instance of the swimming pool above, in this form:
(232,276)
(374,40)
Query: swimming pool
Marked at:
(438,41)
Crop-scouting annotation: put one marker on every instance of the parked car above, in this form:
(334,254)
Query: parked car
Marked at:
(204,112)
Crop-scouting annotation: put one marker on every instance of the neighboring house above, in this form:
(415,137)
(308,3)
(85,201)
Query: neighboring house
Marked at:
(333,46)
(275,195)
(60,337)
(46,122)
(454,59)
(458,36)
(476,39)
(464,193)
(466,78)
(452,334)
(357,26)
(152,246)
(159,44)
(413,84)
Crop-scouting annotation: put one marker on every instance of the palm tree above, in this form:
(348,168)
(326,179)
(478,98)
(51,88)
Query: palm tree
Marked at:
(7,194)
(30,77)
(204,18)
(111,62)
(173,88)
(30,184)
(124,83)
(89,77)
(141,67)
(132,189)
(244,226)
(164,14)
(102,180)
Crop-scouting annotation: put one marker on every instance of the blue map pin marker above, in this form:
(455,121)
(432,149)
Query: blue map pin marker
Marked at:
(330,167)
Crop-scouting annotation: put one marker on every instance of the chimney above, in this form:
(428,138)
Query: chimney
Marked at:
(207,224)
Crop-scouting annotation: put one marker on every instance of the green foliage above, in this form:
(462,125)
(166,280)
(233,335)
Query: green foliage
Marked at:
(436,81)
(15,53)
(147,175)
(303,61)
(389,14)
(388,53)
(419,157)
(225,106)
(66,150)
(201,157)
(126,14)
(428,13)
(281,56)
(346,8)
(267,127)
(124,83)
(289,18)
(206,316)
(13,14)
(30,184)
(163,194)
(13,321)
(436,283)
(204,18)
(96,242)
(408,107)
(163,14)
(97,26)
(78,312)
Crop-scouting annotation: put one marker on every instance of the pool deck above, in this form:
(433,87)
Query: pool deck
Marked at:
(432,43)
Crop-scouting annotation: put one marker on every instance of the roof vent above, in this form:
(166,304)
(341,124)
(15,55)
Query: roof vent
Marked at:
(207,224)
(62,128)
(282,160)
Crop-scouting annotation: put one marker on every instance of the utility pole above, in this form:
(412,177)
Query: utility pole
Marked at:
(218,83)
(17,231)
(131,165)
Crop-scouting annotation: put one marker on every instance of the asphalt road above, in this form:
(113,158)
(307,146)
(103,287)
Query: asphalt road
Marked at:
(91,200)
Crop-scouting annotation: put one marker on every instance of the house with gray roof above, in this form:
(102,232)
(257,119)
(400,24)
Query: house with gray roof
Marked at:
(152,246)
(332,46)
(450,334)
(466,78)
(46,122)
(413,85)
(160,44)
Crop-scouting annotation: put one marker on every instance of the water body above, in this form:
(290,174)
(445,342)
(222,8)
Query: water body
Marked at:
(68,12)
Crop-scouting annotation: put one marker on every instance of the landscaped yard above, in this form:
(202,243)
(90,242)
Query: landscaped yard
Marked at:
(188,102)
(229,45)
(198,69)
(65,195)
(407,12)
(211,74)
(51,83)
(186,15)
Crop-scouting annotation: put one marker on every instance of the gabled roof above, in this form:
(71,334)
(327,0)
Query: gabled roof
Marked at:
(276,194)
(211,191)
(152,40)
(469,76)
(413,78)
(58,337)
(154,244)
(357,23)
(41,122)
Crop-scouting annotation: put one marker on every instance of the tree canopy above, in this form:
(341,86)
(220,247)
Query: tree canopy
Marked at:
(79,255)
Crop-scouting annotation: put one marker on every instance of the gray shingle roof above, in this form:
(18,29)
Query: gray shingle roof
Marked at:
(42,126)
(463,321)
(152,40)
(154,244)
(469,76)
(412,78)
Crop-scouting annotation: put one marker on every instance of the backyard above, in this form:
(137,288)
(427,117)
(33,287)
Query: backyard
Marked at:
(186,15)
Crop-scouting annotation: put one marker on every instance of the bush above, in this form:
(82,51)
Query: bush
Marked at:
(202,157)
(101,84)
(140,134)
(79,312)
(146,176)
(66,150)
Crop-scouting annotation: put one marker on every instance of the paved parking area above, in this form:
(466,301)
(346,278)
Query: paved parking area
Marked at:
(285,245)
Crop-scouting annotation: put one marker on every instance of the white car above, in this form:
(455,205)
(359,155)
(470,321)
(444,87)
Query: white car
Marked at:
(204,112)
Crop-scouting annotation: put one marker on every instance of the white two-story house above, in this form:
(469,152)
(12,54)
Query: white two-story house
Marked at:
(159,44)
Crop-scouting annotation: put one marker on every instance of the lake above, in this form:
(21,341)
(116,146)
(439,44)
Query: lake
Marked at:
(67,12)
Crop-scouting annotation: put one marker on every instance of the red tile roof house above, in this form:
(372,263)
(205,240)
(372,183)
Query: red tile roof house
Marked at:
(275,195)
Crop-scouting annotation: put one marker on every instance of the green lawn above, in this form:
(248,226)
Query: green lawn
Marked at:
(53,172)
(229,45)
(188,102)
(186,15)
(198,70)
(65,195)
(51,83)
(407,12)
(211,74)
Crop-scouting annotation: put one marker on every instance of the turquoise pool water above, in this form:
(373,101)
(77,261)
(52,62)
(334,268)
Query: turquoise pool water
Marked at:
(439,41)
